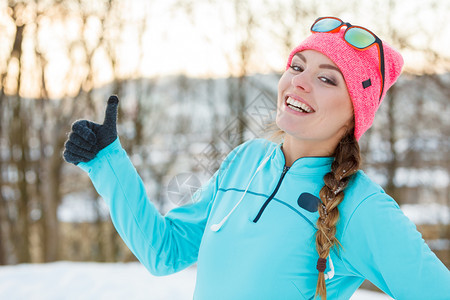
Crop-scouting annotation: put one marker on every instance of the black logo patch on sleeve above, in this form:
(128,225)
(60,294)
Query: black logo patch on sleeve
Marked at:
(308,201)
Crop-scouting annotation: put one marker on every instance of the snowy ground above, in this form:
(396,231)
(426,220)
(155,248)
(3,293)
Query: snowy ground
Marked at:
(69,280)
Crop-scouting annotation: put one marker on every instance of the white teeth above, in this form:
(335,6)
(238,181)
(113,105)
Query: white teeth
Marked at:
(294,104)
(296,108)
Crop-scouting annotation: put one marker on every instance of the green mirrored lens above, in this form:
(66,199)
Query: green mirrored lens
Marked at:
(359,37)
(326,25)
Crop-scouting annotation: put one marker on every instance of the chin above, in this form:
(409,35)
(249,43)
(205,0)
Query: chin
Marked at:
(280,124)
(283,123)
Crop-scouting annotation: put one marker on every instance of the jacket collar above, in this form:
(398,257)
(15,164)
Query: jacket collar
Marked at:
(318,165)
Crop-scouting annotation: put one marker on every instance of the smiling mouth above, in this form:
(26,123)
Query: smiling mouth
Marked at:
(298,106)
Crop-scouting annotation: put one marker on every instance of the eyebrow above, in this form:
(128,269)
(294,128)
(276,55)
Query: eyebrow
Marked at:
(323,66)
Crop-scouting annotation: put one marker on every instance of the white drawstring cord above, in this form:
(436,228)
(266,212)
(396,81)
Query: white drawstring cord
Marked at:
(330,274)
(216,227)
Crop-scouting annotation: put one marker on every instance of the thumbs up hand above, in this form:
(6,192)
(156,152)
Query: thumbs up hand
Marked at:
(87,138)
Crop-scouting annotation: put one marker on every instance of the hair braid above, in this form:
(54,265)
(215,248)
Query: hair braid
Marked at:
(346,163)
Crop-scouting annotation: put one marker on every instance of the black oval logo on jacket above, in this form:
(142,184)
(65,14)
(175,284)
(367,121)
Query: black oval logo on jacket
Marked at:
(308,201)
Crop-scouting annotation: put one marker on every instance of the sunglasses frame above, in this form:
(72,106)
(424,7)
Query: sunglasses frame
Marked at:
(377,41)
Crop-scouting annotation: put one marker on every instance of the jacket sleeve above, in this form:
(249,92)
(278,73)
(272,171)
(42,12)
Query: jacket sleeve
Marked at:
(163,244)
(382,245)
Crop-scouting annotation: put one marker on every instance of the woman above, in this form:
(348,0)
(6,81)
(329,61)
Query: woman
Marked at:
(293,220)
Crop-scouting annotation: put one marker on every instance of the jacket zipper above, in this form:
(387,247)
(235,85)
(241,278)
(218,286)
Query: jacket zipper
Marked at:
(285,169)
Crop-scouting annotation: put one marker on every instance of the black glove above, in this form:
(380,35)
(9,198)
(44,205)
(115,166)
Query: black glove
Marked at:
(88,138)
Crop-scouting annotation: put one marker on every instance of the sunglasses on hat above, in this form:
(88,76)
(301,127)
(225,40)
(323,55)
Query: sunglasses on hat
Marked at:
(358,37)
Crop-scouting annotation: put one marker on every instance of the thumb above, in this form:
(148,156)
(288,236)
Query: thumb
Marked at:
(111,111)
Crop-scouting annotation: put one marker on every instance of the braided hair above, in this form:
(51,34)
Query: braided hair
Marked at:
(347,161)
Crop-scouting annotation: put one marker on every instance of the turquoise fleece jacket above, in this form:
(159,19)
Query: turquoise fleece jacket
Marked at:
(265,248)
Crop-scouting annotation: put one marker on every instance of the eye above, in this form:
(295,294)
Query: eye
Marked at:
(296,68)
(327,80)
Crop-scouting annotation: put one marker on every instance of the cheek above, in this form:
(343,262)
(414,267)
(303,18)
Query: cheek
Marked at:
(345,109)
(283,84)
(337,104)
(285,81)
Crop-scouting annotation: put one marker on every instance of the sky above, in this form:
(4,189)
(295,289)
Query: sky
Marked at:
(214,30)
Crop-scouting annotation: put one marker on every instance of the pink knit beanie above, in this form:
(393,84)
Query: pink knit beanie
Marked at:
(357,66)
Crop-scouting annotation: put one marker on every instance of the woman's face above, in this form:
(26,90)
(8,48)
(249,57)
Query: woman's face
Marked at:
(313,101)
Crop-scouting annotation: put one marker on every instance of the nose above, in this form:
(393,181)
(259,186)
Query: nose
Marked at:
(302,81)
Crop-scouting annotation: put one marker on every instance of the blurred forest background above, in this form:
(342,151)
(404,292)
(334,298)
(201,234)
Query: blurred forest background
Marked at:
(195,79)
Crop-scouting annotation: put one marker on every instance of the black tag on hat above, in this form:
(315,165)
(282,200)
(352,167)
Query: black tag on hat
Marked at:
(366,83)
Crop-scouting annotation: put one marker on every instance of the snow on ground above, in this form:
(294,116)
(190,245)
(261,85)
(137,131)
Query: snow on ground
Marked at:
(70,280)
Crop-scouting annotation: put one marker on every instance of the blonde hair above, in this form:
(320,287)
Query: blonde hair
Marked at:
(347,161)
(273,133)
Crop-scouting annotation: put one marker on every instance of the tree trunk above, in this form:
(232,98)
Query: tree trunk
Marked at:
(53,200)
(18,140)
(393,164)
